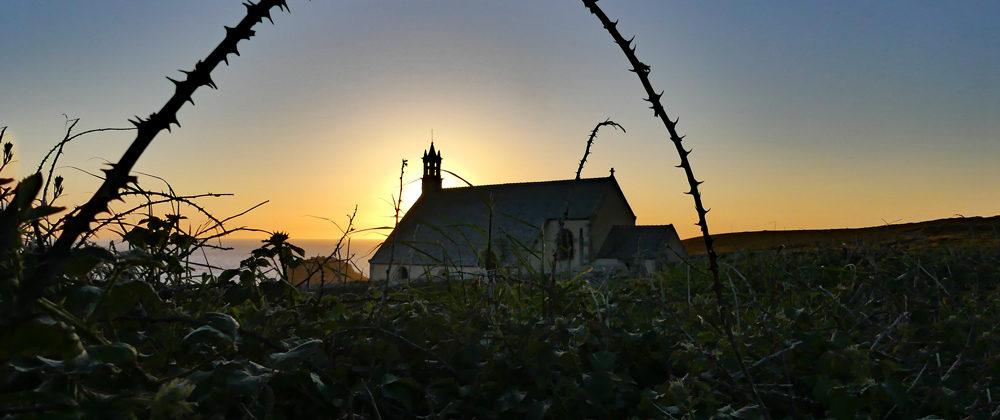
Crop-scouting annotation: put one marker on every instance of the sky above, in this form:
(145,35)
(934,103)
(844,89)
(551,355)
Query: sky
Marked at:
(802,115)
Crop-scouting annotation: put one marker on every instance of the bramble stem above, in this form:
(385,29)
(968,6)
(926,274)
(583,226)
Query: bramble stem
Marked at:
(118,175)
(590,142)
(642,71)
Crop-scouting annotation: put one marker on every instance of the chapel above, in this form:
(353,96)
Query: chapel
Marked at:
(566,225)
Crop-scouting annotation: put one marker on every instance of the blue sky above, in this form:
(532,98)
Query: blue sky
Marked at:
(801,114)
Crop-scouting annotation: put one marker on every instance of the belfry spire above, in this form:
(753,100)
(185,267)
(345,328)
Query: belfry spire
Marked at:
(432,171)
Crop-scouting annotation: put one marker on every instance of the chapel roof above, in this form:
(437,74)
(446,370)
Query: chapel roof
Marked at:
(450,226)
(627,242)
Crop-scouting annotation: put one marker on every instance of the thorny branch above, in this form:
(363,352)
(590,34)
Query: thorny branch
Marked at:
(642,71)
(118,175)
(590,142)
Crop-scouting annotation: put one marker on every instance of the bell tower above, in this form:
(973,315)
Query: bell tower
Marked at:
(432,171)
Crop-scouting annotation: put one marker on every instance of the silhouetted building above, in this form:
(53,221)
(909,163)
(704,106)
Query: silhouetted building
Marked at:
(465,231)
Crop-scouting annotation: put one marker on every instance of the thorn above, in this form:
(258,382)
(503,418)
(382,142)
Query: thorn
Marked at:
(266,13)
(175,82)
(189,99)
(697,183)
(207,81)
(249,5)
(234,51)
(173,120)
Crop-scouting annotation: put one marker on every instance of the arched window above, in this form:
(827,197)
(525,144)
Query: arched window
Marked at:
(403,274)
(564,245)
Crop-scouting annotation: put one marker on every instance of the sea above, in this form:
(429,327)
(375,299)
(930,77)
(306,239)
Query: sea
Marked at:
(227,253)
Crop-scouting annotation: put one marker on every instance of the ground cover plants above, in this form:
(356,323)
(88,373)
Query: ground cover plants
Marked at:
(859,330)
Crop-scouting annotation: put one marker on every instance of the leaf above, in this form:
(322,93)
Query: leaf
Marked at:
(293,357)
(118,354)
(205,336)
(222,322)
(81,261)
(401,390)
(244,383)
(236,295)
(125,295)
(41,212)
(182,241)
(275,289)
(301,252)
(139,237)
(81,300)
(37,398)
(603,361)
(26,191)
(40,336)
(228,274)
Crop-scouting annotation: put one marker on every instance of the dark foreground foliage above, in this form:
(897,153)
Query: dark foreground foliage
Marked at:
(880,332)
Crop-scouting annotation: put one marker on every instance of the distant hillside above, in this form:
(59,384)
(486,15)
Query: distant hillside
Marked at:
(965,231)
(334,271)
